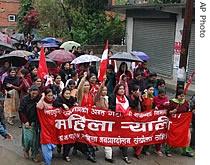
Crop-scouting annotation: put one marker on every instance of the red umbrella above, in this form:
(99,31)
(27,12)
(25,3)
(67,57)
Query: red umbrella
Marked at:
(61,56)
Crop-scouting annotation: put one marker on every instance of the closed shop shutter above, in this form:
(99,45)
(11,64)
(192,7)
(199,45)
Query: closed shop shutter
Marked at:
(155,37)
(191,53)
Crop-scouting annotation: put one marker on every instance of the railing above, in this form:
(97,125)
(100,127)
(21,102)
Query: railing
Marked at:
(139,2)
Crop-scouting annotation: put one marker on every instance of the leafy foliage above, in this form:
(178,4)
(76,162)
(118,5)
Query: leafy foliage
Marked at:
(31,20)
(84,21)
(26,5)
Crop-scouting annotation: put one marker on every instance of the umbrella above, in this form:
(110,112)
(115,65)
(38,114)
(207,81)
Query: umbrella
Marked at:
(6,46)
(21,53)
(15,60)
(69,45)
(124,56)
(50,40)
(50,63)
(50,45)
(143,56)
(61,56)
(5,38)
(36,39)
(85,58)
(17,38)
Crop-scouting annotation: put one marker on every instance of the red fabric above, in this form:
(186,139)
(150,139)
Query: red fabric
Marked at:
(147,104)
(48,133)
(181,108)
(103,64)
(179,125)
(87,100)
(189,82)
(42,70)
(94,89)
(92,126)
(159,102)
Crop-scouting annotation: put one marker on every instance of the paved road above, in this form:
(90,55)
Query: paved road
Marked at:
(11,154)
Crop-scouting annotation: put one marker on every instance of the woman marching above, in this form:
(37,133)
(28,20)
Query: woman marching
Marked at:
(85,99)
(46,103)
(118,102)
(11,85)
(101,101)
(29,120)
(176,106)
(65,101)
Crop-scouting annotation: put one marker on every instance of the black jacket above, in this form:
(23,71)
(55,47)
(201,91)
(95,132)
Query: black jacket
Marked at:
(59,101)
(141,83)
(27,109)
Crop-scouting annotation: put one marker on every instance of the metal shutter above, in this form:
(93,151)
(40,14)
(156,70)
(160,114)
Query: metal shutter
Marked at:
(155,37)
(191,53)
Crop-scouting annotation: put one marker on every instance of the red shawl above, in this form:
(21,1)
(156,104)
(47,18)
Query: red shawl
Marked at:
(87,100)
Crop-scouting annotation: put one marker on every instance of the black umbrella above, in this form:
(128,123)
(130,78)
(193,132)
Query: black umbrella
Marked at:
(5,46)
(124,56)
(15,60)
(17,38)
(50,63)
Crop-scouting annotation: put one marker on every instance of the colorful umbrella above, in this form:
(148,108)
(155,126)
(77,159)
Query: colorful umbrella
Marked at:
(50,45)
(21,53)
(69,45)
(61,56)
(85,58)
(143,56)
(50,40)
(124,56)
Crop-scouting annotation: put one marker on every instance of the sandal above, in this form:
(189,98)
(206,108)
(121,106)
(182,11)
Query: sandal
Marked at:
(26,155)
(159,153)
(10,122)
(67,158)
(168,154)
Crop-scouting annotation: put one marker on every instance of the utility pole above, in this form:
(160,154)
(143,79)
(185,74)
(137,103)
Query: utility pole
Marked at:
(181,77)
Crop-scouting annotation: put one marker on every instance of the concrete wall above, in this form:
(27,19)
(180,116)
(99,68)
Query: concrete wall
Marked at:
(129,33)
(177,44)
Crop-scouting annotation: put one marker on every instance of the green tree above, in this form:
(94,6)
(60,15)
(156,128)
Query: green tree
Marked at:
(26,5)
(84,21)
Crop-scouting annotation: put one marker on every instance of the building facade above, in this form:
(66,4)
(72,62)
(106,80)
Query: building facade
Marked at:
(157,31)
(8,13)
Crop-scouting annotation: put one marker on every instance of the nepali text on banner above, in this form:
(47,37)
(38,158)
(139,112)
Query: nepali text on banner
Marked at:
(101,127)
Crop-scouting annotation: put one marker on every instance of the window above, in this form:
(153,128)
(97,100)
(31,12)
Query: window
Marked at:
(12,18)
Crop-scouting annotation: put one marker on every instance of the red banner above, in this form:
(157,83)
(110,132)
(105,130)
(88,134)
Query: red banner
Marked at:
(178,133)
(104,128)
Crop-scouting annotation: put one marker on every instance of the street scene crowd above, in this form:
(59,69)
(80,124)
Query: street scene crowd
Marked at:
(68,83)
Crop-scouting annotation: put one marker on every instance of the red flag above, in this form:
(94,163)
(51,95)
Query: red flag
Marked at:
(189,82)
(103,64)
(178,133)
(42,70)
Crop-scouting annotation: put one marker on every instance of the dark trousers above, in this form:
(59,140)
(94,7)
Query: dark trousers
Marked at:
(124,151)
(87,150)
(192,143)
(66,149)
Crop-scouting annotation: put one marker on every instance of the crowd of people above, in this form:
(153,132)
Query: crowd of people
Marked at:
(139,90)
